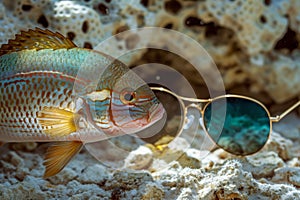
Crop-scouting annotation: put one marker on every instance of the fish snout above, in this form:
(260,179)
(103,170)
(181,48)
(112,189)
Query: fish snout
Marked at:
(156,112)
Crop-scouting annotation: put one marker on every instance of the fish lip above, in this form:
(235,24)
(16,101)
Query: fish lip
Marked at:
(156,112)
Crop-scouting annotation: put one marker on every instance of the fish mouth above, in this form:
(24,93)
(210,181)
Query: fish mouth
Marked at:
(156,112)
(155,122)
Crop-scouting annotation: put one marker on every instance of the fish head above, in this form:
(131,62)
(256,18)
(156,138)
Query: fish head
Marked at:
(135,109)
(123,103)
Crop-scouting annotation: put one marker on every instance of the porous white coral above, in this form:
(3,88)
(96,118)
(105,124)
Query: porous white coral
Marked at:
(278,75)
(78,22)
(257,26)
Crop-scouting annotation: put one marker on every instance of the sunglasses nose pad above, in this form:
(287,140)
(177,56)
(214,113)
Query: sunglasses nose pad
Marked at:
(188,121)
(192,114)
(193,131)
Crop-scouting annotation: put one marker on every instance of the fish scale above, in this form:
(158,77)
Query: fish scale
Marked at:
(62,60)
(17,71)
(32,100)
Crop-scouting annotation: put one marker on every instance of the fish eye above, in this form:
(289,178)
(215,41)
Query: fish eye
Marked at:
(128,96)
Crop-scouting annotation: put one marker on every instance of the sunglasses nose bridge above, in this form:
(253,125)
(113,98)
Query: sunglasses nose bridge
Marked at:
(197,106)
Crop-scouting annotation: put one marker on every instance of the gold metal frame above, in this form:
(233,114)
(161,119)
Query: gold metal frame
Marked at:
(196,103)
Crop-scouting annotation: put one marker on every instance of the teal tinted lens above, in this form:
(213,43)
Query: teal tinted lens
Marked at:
(246,127)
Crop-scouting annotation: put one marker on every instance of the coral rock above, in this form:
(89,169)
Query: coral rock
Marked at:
(140,158)
(290,175)
(263,164)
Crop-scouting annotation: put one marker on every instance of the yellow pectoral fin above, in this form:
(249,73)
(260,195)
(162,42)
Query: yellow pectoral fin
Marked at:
(59,155)
(57,122)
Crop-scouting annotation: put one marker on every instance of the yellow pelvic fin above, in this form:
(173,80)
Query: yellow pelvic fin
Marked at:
(36,39)
(58,155)
(57,122)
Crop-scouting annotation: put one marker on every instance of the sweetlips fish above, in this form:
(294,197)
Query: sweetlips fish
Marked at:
(53,91)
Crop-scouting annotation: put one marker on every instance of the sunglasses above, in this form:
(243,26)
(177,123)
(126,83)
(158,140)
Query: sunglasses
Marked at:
(238,124)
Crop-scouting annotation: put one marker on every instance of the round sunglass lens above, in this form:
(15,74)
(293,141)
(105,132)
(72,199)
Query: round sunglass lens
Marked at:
(245,129)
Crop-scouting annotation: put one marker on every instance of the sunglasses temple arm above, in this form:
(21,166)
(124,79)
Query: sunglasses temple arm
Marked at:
(279,117)
(193,100)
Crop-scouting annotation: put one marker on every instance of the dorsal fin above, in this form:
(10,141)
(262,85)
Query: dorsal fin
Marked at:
(36,39)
